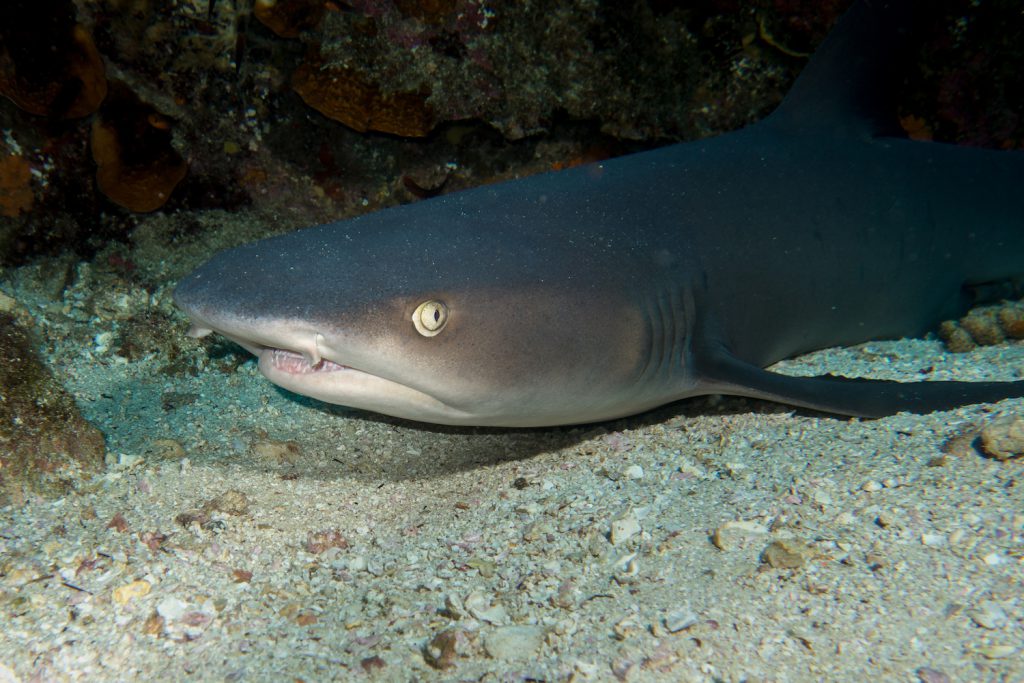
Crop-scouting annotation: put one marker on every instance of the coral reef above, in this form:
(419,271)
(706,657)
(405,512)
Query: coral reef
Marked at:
(15,185)
(517,65)
(49,65)
(973,56)
(288,18)
(984,326)
(45,444)
(339,94)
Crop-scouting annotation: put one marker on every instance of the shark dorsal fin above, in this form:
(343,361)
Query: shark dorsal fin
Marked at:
(849,85)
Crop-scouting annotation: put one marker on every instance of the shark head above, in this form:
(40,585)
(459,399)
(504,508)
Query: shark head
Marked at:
(445,311)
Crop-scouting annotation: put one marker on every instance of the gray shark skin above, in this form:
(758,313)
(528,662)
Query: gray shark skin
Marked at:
(609,289)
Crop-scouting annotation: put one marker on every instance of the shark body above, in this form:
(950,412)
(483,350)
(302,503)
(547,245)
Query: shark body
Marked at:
(606,290)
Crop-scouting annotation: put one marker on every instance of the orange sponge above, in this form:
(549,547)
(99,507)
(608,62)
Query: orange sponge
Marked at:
(131,143)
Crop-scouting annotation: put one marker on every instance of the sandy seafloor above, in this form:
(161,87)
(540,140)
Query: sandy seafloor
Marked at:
(364,539)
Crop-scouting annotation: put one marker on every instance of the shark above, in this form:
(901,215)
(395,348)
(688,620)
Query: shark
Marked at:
(608,289)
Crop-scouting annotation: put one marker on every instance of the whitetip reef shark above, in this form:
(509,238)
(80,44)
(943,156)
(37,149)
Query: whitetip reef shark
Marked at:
(609,289)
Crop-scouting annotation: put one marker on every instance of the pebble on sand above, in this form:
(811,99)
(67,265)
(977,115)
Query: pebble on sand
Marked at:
(514,642)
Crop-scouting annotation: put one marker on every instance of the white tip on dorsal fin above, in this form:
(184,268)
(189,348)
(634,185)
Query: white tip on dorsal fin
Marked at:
(197,332)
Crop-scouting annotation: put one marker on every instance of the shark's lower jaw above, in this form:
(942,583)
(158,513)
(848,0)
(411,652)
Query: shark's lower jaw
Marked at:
(332,382)
(294,363)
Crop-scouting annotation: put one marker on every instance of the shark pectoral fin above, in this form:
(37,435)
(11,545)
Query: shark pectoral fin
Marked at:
(722,373)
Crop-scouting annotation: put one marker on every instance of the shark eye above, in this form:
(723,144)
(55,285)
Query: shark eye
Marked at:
(430,317)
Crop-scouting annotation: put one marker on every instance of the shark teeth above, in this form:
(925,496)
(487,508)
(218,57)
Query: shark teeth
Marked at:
(298,364)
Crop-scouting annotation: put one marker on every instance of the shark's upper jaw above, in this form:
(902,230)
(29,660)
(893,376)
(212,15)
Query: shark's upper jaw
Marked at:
(298,359)
(294,363)
(277,356)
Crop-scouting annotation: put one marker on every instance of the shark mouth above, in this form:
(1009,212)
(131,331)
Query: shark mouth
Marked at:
(309,374)
(276,358)
(297,364)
